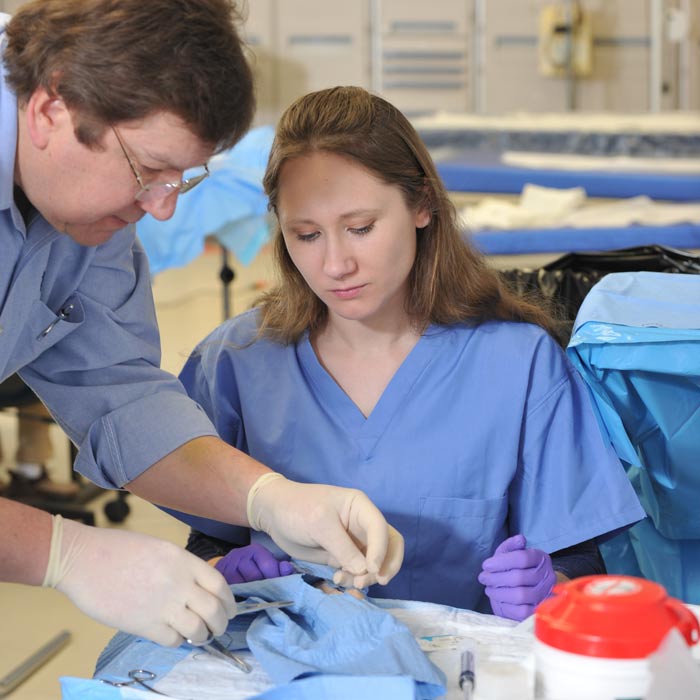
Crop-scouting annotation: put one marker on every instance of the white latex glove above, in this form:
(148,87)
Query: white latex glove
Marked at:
(328,525)
(138,583)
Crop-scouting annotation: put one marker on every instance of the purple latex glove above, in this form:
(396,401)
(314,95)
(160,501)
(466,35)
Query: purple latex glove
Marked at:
(252,563)
(517,579)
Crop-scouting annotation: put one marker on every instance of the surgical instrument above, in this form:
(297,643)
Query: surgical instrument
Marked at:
(19,674)
(216,648)
(466,673)
(246,607)
(137,676)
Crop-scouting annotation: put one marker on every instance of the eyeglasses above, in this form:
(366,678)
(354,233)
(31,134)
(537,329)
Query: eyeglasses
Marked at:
(154,191)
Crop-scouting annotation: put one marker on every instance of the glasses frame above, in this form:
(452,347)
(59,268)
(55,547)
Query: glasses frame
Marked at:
(159,190)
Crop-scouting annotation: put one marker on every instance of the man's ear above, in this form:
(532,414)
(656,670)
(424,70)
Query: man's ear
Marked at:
(45,114)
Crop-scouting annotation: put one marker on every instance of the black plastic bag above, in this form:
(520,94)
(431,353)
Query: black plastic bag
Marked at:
(564,282)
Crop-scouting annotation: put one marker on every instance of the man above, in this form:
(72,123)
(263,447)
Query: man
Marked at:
(104,105)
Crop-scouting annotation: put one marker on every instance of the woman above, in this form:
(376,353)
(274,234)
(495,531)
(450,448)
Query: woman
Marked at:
(390,358)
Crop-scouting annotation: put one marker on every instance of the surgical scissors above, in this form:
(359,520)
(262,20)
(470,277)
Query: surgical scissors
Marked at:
(137,676)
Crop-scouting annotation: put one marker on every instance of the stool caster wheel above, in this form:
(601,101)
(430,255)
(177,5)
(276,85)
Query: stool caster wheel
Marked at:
(116,511)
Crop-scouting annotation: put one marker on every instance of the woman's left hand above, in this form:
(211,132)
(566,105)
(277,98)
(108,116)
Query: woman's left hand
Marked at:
(517,579)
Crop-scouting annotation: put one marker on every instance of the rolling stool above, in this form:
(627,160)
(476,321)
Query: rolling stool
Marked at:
(14,394)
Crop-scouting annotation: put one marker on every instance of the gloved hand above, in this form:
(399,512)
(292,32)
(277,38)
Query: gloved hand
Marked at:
(328,525)
(138,583)
(252,563)
(517,579)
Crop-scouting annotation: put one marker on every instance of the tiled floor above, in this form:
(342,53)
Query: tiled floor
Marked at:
(189,303)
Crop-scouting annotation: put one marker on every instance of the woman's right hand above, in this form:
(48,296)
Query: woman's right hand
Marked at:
(251,563)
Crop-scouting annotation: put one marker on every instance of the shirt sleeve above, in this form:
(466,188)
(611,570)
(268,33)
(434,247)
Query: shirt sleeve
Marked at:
(101,381)
(570,486)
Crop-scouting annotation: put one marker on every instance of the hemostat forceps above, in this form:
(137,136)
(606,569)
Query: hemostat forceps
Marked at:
(214,647)
(137,676)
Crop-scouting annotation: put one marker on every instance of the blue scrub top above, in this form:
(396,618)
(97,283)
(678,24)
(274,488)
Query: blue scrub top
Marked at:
(483,432)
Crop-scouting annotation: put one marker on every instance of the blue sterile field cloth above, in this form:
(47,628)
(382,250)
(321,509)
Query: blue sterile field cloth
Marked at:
(229,205)
(636,342)
(312,688)
(322,646)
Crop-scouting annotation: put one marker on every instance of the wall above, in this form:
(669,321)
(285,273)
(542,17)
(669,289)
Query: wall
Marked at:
(465,55)
(470,55)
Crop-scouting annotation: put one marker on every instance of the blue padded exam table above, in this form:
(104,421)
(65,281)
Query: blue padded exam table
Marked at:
(569,240)
(477,172)
(480,172)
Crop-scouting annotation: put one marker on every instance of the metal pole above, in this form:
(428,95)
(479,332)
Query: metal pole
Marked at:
(227,276)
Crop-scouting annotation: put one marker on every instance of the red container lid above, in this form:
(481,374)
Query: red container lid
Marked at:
(618,617)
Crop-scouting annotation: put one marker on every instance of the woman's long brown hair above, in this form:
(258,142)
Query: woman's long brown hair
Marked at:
(450,281)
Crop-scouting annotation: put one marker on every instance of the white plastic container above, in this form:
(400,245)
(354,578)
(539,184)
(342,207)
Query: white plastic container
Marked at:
(560,675)
(594,636)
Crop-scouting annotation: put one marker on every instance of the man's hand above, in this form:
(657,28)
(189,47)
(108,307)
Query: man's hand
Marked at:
(329,525)
(138,583)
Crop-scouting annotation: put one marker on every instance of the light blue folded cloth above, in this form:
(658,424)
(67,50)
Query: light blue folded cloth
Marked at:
(320,642)
(334,634)
(637,345)
(229,205)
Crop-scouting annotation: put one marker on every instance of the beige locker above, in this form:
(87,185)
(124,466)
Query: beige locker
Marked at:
(260,18)
(620,67)
(692,49)
(11,6)
(423,54)
(321,46)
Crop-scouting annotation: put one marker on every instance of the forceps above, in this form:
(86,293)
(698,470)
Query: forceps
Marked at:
(137,676)
(214,647)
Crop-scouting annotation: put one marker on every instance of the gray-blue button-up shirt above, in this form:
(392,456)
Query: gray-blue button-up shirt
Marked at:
(78,324)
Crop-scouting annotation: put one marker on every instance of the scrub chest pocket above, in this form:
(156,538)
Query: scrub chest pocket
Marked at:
(461,533)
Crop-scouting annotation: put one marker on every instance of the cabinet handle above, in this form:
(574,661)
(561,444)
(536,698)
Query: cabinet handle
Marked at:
(405,25)
(331,39)
(423,85)
(424,70)
(425,55)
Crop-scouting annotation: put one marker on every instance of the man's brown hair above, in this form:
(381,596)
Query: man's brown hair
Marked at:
(112,61)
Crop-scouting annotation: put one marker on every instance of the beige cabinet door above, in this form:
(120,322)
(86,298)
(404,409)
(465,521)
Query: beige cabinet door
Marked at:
(423,57)
(11,6)
(260,18)
(321,44)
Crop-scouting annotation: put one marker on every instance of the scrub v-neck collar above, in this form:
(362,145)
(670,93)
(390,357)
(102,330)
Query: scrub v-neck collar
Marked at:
(368,430)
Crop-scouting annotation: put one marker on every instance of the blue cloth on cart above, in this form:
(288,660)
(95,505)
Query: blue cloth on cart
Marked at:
(229,205)
(483,171)
(563,240)
(354,645)
(636,342)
